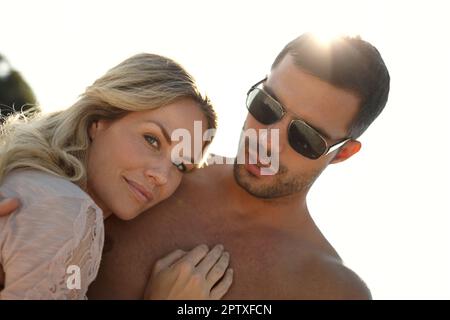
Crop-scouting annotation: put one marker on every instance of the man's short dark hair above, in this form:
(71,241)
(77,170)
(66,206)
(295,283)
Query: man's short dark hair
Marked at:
(349,63)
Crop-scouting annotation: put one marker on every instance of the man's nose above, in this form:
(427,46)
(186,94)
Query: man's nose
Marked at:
(274,137)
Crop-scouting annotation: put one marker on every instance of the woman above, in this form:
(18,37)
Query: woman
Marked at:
(110,153)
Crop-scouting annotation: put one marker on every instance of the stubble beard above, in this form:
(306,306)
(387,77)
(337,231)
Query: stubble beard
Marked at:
(281,184)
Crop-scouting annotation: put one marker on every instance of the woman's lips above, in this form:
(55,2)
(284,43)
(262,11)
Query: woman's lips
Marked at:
(141,193)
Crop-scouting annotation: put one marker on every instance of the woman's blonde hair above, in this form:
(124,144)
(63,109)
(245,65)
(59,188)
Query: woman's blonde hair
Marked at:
(58,142)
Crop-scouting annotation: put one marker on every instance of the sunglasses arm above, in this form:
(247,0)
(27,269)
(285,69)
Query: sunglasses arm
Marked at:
(337,146)
(256,84)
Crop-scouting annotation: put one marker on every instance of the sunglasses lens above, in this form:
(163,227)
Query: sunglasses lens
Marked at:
(306,140)
(262,107)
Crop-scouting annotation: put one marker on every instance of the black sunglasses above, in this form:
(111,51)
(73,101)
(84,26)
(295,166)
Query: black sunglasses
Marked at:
(303,138)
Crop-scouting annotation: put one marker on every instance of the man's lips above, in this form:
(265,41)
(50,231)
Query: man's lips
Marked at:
(141,193)
(255,168)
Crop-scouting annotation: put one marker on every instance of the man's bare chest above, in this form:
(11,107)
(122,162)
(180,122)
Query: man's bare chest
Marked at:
(259,256)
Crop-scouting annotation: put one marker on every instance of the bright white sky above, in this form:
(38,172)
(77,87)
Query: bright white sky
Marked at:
(387,210)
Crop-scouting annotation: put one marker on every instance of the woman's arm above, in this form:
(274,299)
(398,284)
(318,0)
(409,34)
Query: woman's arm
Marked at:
(51,249)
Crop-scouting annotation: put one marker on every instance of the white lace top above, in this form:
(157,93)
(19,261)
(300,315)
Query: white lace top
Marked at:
(50,248)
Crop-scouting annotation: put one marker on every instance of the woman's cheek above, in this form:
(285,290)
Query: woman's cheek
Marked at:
(173,183)
(130,152)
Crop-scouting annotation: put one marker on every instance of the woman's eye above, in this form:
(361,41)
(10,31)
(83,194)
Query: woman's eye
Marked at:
(154,142)
(181,166)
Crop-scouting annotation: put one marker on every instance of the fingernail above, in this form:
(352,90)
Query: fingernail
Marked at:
(220,246)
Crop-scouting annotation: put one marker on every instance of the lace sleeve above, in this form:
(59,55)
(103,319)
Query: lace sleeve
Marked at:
(52,249)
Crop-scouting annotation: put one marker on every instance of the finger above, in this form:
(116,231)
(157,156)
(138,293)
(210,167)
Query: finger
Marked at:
(223,286)
(168,260)
(210,260)
(218,270)
(8,205)
(193,257)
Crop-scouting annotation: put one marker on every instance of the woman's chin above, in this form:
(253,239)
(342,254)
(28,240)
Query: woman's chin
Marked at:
(126,215)
(129,215)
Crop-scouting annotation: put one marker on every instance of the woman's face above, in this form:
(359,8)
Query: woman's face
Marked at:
(129,165)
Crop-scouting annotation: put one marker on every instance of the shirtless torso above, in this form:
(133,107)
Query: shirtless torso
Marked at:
(286,259)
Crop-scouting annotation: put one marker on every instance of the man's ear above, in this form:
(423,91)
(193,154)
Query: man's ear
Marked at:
(346,151)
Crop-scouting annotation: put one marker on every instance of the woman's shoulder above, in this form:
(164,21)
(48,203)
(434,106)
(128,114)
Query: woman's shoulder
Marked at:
(28,184)
(47,196)
(47,203)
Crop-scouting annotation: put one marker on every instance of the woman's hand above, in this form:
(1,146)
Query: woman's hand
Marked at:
(199,274)
(7,205)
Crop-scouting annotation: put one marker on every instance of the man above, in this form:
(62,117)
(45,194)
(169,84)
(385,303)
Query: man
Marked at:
(316,97)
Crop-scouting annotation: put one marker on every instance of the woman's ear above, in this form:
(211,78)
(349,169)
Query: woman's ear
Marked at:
(96,127)
(346,151)
(93,130)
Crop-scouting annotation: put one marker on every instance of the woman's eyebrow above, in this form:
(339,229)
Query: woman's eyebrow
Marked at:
(163,130)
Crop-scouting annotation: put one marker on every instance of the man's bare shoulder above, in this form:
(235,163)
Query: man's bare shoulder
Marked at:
(326,277)
(209,173)
(292,267)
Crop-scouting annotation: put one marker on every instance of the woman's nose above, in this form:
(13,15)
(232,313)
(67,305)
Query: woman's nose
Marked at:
(158,175)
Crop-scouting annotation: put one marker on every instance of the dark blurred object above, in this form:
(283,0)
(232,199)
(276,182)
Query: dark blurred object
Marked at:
(15,94)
